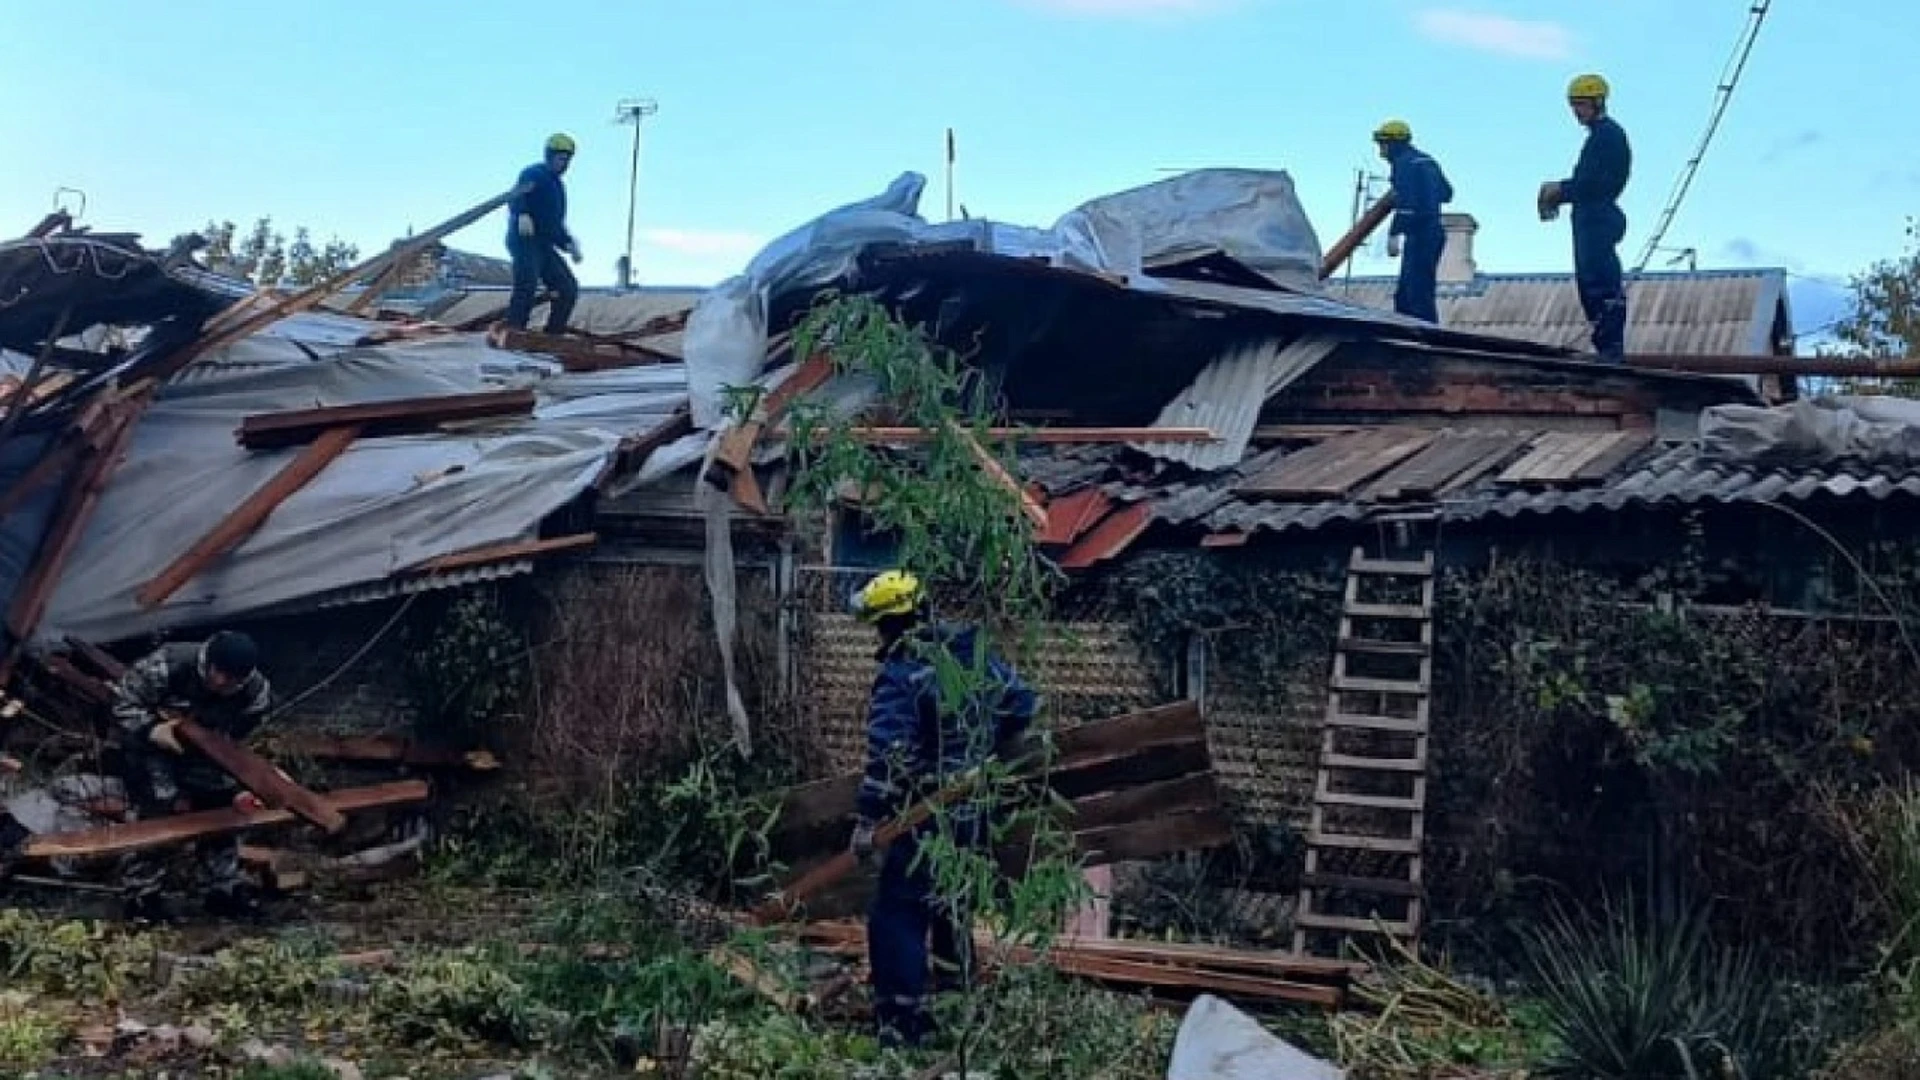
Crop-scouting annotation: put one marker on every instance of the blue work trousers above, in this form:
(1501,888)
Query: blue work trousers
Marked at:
(908,924)
(1597,232)
(1419,273)
(535,261)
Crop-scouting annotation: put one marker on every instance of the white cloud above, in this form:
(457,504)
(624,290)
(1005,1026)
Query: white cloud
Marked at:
(1127,9)
(705,243)
(1497,34)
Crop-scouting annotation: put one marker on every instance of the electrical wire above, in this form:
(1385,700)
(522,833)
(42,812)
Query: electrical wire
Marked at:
(1723,95)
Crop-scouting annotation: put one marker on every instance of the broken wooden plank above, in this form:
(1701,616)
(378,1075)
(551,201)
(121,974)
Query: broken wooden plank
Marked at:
(1496,455)
(735,452)
(1048,436)
(1449,455)
(1164,834)
(579,353)
(103,661)
(525,549)
(1557,456)
(1343,248)
(109,840)
(392,749)
(1601,465)
(634,451)
(244,519)
(1329,469)
(998,473)
(1106,809)
(377,419)
(257,774)
(60,459)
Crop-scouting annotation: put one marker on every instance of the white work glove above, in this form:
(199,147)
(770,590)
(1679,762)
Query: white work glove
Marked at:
(1393,247)
(524,225)
(862,843)
(573,249)
(166,736)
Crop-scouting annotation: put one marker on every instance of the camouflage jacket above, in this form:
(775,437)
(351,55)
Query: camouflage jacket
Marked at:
(168,679)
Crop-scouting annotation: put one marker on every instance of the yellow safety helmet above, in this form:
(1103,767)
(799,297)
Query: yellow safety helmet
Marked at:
(1393,131)
(560,144)
(895,592)
(1588,88)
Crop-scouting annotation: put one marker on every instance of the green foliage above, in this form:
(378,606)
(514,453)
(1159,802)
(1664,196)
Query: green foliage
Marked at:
(261,974)
(265,258)
(780,1047)
(466,663)
(28,1038)
(80,959)
(1627,996)
(299,1070)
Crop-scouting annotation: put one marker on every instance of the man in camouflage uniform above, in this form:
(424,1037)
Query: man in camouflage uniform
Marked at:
(217,683)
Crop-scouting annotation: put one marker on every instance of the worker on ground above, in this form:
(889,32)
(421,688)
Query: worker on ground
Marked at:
(916,743)
(218,684)
(1598,223)
(1416,236)
(537,234)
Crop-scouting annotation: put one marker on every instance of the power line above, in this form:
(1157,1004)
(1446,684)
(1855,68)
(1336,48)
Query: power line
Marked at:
(1722,96)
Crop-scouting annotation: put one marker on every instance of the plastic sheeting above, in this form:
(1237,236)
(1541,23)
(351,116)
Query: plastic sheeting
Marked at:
(1252,215)
(385,505)
(1219,1042)
(1870,430)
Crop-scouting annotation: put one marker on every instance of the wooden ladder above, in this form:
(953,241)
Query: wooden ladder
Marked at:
(1364,859)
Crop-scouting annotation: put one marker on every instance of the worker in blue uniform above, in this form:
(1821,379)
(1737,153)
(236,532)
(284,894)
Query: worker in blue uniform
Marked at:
(941,705)
(1598,223)
(1416,236)
(536,236)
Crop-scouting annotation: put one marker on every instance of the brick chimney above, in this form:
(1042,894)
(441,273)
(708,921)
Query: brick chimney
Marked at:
(1456,259)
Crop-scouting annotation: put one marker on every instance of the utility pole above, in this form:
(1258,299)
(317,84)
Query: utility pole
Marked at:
(632,111)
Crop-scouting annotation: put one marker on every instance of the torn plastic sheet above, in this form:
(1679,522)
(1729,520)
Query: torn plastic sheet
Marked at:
(1867,429)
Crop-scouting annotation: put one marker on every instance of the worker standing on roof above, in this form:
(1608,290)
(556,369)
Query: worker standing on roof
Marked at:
(536,236)
(1598,223)
(219,685)
(1416,236)
(916,743)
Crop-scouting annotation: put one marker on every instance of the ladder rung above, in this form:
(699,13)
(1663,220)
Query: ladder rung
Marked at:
(1392,567)
(1374,802)
(1377,647)
(1377,886)
(1389,844)
(1352,684)
(1349,761)
(1358,610)
(1315,921)
(1376,723)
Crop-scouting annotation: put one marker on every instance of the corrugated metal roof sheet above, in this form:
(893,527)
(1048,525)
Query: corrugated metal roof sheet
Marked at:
(1718,312)
(1227,395)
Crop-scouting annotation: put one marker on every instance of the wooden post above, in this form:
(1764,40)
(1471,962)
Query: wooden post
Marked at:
(1343,248)
(258,774)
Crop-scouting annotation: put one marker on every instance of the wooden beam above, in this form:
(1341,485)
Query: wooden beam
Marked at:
(111,840)
(241,522)
(382,748)
(1863,367)
(735,451)
(1051,436)
(245,319)
(579,353)
(407,416)
(525,549)
(258,774)
(60,459)
(998,473)
(1343,248)
(634,451)
(104,662)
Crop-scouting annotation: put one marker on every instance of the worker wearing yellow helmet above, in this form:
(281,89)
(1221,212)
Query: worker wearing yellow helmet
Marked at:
(1599,177)
(1420,188)
(942,703)
(538,234)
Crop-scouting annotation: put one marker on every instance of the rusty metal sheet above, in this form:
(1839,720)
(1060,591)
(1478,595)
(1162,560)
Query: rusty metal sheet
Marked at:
(1451,455)
(1329,469)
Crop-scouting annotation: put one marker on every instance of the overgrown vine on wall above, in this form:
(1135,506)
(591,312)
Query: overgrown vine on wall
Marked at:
(466,664)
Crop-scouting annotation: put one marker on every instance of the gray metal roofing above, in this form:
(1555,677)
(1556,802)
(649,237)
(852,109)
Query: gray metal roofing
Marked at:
(600,311)
(1228,394)
(1708,312)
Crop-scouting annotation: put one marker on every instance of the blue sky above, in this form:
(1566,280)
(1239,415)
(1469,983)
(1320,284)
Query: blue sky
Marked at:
(361,119)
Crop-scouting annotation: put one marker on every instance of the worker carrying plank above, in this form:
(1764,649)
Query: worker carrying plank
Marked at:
(219,685)
(919,738)
(537,234)
(1599,225)
(1416,236)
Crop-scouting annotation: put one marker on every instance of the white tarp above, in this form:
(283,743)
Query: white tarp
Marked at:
(385,505)
(1219,1042)
(1868,429)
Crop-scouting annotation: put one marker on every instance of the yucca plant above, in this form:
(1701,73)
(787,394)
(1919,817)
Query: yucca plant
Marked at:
(1639,998)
